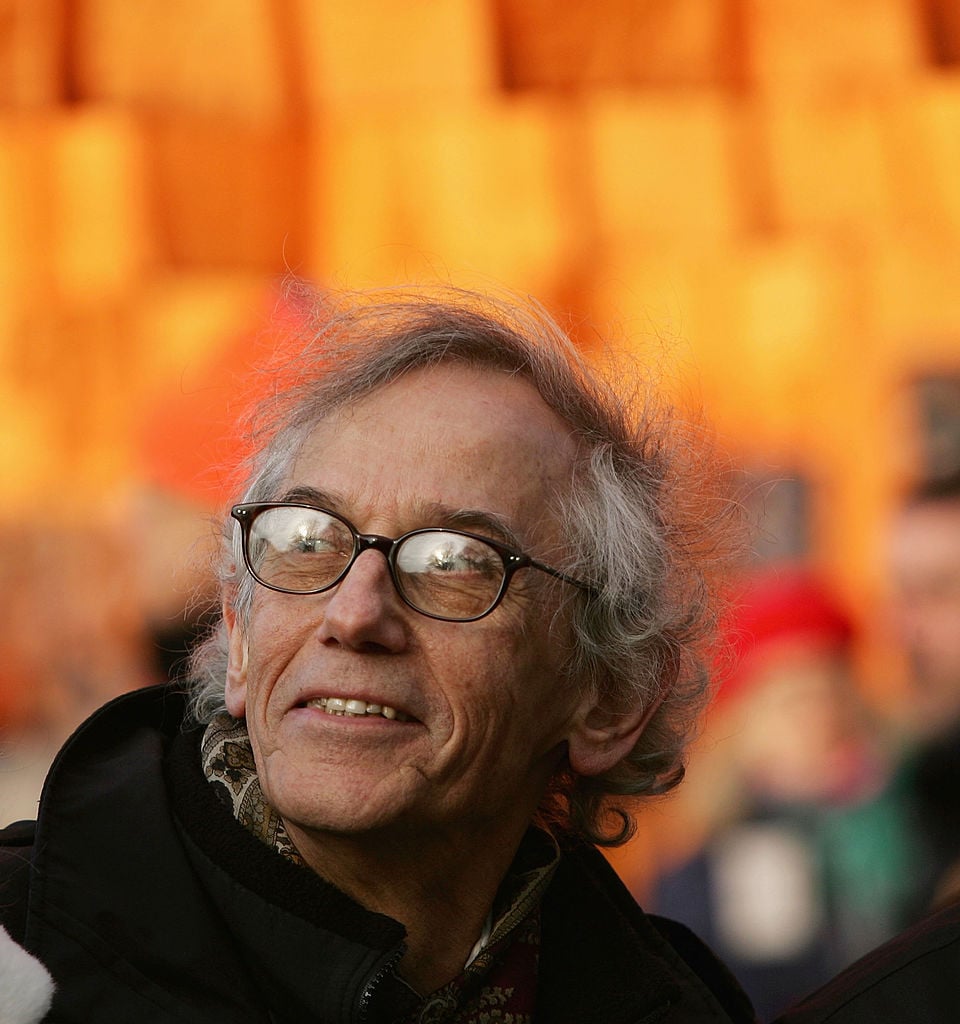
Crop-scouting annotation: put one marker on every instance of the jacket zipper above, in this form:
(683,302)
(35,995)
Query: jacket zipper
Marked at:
(375,981)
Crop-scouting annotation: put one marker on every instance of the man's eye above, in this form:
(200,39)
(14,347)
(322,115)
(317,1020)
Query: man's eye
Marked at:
(306,544)
(443,561)
(464,560)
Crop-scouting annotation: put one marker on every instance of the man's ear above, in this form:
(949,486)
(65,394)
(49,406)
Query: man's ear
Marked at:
(602,736)
(235,687)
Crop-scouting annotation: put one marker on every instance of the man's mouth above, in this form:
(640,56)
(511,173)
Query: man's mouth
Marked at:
(352,708)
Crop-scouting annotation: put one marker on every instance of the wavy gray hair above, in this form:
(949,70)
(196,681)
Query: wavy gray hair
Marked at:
(641,516)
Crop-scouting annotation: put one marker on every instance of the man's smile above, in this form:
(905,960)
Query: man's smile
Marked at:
(353,708)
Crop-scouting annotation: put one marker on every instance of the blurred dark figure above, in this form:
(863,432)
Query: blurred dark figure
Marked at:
(92,611)
(913,978)
(925,577)
(811,862)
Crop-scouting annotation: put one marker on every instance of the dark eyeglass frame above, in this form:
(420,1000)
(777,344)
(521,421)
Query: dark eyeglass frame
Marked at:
(248,512)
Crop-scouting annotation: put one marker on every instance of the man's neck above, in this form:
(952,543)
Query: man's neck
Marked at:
(442,893)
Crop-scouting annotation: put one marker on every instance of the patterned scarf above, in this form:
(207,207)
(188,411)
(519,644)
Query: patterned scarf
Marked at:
(227,759)
(499,984)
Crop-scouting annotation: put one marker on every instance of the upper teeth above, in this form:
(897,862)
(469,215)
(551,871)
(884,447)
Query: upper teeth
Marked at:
(342,706)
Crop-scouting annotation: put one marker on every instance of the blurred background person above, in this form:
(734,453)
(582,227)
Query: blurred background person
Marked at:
(93,612)
(809,861)
(924,553)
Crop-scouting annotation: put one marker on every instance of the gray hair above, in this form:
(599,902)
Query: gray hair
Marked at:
(642,516)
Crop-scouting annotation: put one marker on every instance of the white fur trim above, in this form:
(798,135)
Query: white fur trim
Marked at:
(26,988)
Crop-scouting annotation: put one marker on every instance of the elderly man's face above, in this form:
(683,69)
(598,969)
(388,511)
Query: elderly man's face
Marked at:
(483,713)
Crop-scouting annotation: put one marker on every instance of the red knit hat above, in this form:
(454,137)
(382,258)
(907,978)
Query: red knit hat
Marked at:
(787,602)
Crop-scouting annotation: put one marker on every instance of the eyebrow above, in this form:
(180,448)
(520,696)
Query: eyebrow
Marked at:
(429,514)
(310,496)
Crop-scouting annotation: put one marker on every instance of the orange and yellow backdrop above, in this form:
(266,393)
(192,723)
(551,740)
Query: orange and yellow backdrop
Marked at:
(763,196)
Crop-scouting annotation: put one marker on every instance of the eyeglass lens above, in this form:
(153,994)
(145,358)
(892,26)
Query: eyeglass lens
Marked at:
(439,572)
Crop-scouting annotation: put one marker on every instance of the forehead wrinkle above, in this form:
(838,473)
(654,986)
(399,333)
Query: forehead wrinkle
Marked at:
(520,505)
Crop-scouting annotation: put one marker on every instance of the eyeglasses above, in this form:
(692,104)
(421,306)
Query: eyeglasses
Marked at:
(445,574)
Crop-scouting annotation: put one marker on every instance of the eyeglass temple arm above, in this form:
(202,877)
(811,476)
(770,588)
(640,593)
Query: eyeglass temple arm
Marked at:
(525,560)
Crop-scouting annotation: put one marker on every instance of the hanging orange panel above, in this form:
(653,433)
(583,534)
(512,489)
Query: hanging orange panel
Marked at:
(218,58)
(72,215)
(475,188)
(225,194)
(820,48)
(583,45)
(924,150)
(99,240)
(829,166)
(393,50)
(662,167)
(31,67)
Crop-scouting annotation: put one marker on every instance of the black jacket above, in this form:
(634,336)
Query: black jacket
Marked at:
(148,903)
(914,979)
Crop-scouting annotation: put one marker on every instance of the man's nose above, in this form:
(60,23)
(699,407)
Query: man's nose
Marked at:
(363,612)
